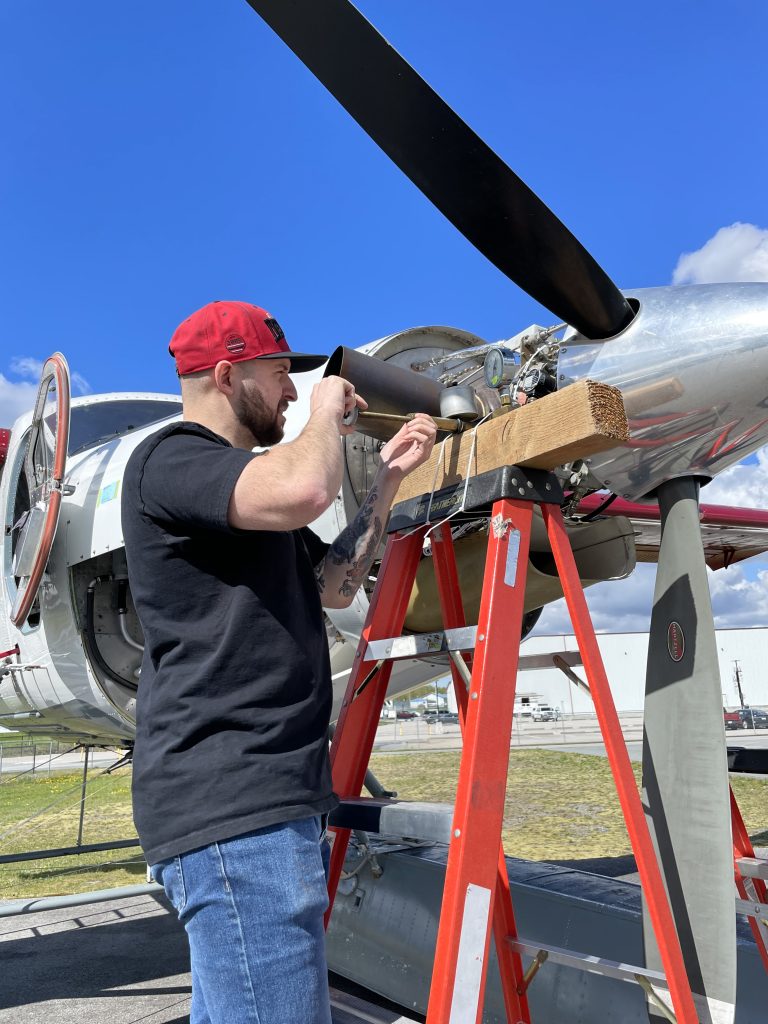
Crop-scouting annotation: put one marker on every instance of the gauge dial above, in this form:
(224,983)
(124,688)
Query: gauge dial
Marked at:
(500,367)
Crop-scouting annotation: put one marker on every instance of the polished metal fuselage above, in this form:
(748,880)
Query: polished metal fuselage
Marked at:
(693,369)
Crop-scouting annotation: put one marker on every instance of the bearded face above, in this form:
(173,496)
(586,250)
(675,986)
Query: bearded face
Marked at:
(255,415)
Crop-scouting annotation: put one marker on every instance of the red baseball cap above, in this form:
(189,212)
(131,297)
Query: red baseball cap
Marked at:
(234,331)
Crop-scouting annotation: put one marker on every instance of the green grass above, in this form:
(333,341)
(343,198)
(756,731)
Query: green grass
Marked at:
(107,817)
(558,806)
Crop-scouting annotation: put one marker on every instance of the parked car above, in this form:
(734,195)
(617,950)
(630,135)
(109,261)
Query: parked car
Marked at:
(446,717)
(545,713)
(731,719)
(403,713)
(752,718)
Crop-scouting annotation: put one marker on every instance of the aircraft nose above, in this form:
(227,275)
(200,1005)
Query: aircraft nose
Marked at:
(693,369)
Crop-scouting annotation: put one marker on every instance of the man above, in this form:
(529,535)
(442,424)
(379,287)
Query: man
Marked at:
(231,773)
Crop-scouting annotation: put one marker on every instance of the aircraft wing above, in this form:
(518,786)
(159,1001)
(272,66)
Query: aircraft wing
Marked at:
(729,534)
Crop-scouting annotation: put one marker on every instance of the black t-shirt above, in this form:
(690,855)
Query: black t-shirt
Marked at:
(235,692)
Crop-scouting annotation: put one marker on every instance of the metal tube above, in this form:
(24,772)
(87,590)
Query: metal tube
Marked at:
(462,354)
(462,668)
(82,799)
(384,385)
(68,851)
(375,787)
(77,899)
(654,998)
(533,970)
(450,426)
(126,636)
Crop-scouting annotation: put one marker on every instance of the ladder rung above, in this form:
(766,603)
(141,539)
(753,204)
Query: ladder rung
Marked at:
(753,867)
(419,644)
(407,819)
(552,659)
(753,908)
(591,964)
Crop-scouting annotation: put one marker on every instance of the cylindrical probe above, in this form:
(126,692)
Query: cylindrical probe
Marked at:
(448,426)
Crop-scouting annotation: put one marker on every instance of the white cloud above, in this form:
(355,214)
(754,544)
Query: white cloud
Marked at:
(16,397)
(744,485)
(739,598)
(735,253)
(80,385)
(27,367)
(618,606)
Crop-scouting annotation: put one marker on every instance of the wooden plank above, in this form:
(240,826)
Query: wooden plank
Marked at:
(574,423)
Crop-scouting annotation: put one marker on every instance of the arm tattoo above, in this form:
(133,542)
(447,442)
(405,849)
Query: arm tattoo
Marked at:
(344,547)
(364,532)
(359,569)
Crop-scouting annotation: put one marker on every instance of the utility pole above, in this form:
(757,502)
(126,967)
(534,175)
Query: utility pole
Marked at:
(737,680)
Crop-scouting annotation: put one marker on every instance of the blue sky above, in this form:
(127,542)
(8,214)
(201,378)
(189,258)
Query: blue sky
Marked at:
(158,155)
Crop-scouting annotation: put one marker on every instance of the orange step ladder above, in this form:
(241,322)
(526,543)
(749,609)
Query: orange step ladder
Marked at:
(476,897)
(751,875)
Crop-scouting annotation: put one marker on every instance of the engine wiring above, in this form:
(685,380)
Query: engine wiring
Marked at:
(591,516)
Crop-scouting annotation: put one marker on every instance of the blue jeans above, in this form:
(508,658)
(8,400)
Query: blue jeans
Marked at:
(253,910)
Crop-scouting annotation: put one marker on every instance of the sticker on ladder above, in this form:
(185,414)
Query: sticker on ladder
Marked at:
(500,525)
(469,962)
(513,554)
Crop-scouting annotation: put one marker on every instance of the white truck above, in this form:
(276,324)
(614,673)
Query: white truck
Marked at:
(545,713)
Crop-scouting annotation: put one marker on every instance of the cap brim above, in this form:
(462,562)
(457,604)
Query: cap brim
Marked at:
(300,361)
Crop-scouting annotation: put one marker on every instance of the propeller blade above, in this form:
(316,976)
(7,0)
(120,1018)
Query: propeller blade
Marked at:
(451,165)
(685,765)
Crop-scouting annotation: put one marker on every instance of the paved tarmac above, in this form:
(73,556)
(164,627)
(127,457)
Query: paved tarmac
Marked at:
(118,962)
(413,734)
(580,735)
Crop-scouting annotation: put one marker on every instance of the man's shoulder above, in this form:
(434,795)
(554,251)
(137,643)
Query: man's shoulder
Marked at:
(171,443)
(181,432)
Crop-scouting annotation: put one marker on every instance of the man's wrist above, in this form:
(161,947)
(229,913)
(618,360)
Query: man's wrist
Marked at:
(388,479)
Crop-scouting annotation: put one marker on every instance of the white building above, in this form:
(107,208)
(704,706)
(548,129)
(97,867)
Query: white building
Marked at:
(624,655)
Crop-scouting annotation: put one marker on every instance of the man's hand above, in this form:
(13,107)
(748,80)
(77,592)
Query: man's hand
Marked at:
(336,396)
(410,447)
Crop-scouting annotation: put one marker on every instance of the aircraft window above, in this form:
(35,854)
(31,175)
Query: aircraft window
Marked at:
(93,424)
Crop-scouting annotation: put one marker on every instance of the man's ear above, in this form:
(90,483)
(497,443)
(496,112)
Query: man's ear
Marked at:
(222,376)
